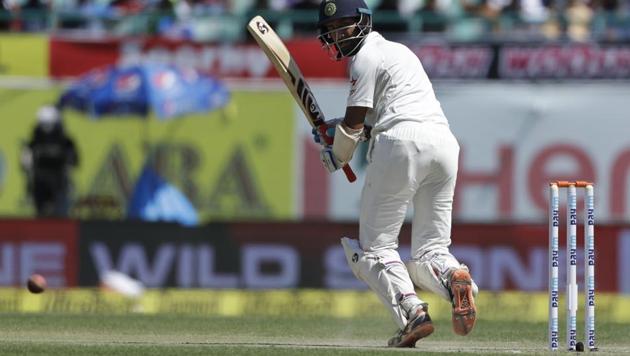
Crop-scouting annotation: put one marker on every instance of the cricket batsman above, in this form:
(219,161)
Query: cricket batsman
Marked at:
(412,160)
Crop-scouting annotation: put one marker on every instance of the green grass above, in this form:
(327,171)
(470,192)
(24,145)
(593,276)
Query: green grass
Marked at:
(51,334)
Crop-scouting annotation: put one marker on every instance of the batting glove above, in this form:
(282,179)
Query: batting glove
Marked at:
(330,132)
(328,159)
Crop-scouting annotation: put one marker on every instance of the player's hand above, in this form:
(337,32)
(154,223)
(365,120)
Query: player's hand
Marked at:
(330,132)
(328,159)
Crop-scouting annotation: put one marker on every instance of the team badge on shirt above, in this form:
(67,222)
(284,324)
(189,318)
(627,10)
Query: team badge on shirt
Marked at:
(353,82)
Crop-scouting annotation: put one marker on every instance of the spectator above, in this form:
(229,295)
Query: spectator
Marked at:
(34,16)
(306,25)
(390,18)
(47,160)
(579,15)
(5,16)
(182,25)
(611,22)
(534,12)
(12,10)
(473,19)
(434,16)
(162,18)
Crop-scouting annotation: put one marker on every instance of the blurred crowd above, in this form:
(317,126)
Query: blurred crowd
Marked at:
(208,20)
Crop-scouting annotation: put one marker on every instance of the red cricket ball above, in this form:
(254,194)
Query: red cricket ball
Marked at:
(36,283)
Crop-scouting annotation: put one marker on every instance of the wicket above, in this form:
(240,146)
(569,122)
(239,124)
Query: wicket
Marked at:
(571,255)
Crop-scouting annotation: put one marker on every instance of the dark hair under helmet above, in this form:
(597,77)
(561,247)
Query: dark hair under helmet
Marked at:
(330,10)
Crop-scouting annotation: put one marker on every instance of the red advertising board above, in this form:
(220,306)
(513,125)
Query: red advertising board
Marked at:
(501,257)
(47,247)
(309,255)
(278,255)
(515,257)
(71,57)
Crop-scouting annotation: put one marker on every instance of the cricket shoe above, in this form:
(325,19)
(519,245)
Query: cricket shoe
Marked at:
(463,301)
(418,327)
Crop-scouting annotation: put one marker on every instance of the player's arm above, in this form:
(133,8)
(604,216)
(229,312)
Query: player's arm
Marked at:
(348,133)
(355,116)
(354,119)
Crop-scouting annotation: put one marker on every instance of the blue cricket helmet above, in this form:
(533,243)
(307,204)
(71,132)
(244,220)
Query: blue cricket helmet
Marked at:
(330,10)
(336,41)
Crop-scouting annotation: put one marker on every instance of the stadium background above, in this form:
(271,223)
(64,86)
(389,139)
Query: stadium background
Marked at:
(532,98)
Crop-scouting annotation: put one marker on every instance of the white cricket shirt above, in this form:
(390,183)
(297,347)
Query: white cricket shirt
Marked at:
(389,79)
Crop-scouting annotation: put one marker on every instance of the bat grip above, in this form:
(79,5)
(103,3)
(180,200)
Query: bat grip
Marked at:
(329,141)
(349,173)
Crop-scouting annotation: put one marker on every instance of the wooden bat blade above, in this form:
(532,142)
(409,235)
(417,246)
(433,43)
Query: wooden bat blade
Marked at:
(269,40)
(287,68)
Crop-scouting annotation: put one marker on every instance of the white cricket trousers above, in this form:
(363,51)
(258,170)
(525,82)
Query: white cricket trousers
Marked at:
(411,163)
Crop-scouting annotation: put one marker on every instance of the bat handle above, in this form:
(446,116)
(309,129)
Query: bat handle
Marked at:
(349,173)
(329,140)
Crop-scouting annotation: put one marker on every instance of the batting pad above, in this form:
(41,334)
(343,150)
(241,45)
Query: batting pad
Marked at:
(431,271)
(384,273)
(424,277)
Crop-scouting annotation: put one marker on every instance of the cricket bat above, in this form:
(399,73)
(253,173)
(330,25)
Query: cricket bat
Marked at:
(290,73)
